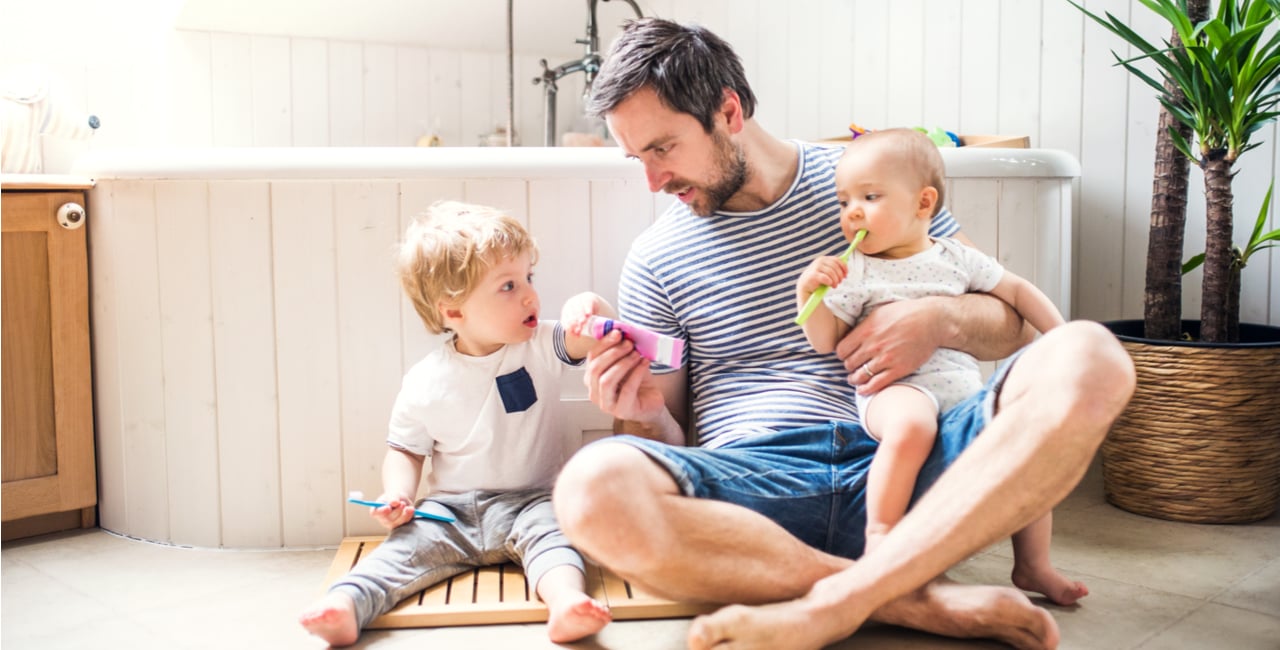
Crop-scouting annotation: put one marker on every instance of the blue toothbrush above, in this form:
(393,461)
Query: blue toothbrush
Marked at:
(358,499)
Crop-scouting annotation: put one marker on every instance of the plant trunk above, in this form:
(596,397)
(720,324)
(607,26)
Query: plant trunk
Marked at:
(1162,303)
(1217,249)
(1233,301)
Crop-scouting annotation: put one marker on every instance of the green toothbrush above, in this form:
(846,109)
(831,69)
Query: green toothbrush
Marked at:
(816,296)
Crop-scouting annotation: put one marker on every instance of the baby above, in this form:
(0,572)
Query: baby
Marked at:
(483,412)
(891,183)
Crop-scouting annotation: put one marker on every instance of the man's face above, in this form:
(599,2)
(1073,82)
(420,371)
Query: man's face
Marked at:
(703,170)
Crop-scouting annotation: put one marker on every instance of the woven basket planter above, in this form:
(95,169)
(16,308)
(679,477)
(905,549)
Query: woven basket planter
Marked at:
(1200,440)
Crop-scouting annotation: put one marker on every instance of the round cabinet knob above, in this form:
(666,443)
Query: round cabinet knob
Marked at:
(71,216)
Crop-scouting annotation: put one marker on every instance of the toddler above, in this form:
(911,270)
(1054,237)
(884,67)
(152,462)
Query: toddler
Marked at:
(483,413)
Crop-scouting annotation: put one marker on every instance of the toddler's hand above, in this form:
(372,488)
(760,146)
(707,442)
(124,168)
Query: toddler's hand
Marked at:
(578,309)
(397,512)
(826,270)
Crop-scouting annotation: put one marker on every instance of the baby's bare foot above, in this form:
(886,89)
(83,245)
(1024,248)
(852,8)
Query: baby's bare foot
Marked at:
(1047,581)
(332,618)
(571,619)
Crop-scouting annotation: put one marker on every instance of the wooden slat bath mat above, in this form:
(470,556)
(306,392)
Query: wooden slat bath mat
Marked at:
(499,594)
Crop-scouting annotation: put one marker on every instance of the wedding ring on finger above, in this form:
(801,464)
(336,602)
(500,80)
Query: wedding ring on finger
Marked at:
(866,367)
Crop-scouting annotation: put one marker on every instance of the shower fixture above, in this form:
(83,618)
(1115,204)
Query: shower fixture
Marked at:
(589,65)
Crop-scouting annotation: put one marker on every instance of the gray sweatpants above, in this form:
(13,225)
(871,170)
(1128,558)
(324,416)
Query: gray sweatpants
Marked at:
(491,528)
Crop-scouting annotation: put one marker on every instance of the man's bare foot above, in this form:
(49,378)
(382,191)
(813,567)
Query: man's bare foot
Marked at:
(974,612)
(1047,581)
(766,627)
(942,607)
(332,618)
(571,619)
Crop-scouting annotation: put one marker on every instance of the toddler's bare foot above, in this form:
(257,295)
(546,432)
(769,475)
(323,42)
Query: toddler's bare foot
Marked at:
(574,618)
(332,618)
(1047,581)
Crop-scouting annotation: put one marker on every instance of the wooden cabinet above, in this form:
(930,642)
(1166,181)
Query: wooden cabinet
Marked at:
(49,476)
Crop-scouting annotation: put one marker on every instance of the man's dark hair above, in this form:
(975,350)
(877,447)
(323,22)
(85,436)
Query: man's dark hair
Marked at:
(688,66)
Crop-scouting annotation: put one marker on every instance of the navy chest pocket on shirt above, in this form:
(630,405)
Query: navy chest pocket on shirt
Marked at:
(517,391)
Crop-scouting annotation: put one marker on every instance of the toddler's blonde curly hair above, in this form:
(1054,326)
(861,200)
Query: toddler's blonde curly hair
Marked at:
(449,248)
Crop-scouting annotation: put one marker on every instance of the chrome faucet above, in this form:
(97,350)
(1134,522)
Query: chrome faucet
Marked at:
(589,65)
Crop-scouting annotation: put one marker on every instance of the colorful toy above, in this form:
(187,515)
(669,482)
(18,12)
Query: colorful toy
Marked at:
(940,136)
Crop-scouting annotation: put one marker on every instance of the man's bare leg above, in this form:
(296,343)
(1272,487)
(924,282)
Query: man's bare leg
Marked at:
(622,510)
(1054,410)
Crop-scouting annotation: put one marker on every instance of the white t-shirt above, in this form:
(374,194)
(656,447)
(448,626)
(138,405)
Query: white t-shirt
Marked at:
(948,268)
(487,423)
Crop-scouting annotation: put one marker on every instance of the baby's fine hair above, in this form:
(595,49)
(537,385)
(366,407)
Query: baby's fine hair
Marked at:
(912,150)
(449,248)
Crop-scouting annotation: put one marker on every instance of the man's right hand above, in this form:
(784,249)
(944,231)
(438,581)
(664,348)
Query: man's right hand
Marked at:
(619,382)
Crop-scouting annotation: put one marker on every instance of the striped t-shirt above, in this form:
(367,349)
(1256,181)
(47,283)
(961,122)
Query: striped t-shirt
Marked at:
(726,285)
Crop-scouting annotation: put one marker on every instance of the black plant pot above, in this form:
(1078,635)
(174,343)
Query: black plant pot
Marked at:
(1200,440)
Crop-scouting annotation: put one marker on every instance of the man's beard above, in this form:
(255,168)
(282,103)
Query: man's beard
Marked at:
(731,169)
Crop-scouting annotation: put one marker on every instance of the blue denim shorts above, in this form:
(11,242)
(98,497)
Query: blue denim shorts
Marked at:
(812,481)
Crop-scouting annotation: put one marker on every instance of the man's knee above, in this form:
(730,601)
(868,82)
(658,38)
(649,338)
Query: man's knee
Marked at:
(593,486)
(1105,370)
(1078,370)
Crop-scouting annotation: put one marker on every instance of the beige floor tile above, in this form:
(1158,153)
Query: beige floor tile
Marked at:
(1219,626)
(1259,592)
(32,600)
(1188,559)
(1114,614)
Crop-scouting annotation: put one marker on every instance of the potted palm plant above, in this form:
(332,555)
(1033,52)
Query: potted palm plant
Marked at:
(1200,441)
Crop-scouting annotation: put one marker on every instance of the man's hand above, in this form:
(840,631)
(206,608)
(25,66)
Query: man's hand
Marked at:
(619,382)
(892,342)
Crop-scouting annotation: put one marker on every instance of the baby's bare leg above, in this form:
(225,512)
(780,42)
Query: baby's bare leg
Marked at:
(1032,570)
(573,614)
(905,421)
(333,619)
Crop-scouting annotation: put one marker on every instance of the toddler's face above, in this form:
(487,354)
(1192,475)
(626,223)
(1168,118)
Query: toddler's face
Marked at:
(877,195)
(501,310)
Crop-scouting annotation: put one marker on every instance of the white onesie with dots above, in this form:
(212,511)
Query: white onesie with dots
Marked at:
(948,268)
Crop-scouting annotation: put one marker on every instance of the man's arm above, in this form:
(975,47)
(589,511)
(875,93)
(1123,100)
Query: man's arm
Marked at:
(897,338)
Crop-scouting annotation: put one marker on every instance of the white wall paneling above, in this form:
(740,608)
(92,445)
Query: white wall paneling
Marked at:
(271,81)
(141,360)
(231,89)
(186,336)
(250,335)
(309,92)
(244,347)
(309,378)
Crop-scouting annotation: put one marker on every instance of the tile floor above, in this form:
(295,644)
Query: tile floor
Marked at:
(1155,585)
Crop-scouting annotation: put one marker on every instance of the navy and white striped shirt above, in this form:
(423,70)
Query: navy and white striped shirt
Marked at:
(726,285)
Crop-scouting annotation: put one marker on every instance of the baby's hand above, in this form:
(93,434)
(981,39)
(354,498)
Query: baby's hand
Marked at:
(397,512)
(578,309)
(823,270)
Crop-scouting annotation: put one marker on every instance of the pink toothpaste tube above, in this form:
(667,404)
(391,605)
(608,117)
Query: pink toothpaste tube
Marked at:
(651,345)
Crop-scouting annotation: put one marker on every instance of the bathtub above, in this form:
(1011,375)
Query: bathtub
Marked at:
(249,337)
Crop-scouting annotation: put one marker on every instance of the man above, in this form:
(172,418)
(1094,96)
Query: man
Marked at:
(770,506)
